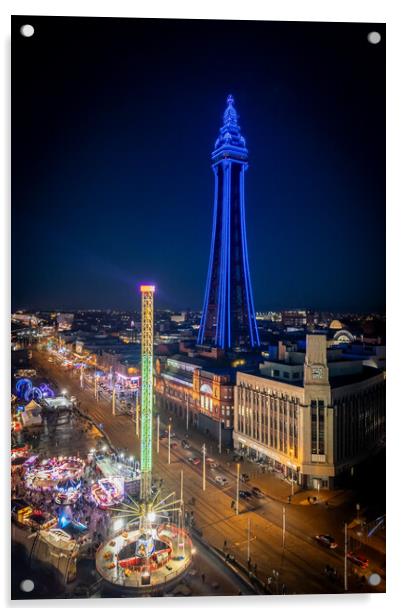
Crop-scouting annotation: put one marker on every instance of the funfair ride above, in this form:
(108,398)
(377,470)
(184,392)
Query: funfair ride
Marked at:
(150,551)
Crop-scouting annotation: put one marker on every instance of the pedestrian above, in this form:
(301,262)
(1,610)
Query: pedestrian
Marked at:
(203,577)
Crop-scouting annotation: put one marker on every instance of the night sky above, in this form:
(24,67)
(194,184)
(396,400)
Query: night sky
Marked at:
(113,123)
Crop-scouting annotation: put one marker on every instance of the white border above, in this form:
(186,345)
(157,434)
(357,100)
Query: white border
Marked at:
(297,10)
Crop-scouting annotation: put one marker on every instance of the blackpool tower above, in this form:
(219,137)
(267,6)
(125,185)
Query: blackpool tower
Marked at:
(228,316)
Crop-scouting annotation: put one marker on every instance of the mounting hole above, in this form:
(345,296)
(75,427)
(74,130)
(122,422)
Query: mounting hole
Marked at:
(27,585)
(374,579)
(374,38)
(27,30)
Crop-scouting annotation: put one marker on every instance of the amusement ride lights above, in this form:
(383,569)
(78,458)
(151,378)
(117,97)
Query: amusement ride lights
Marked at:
(149,507)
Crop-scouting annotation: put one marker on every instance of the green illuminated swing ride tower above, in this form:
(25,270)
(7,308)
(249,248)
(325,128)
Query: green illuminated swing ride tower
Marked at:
(147,343)
(150,506)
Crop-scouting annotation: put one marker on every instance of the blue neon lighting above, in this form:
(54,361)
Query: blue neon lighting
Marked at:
(211,259)
(218,306)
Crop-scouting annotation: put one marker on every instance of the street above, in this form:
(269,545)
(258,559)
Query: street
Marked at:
(216,519)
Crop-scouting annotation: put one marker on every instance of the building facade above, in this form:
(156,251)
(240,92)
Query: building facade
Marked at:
(188,388)
(311,418)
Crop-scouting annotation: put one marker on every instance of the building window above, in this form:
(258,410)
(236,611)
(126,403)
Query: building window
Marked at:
(317,427)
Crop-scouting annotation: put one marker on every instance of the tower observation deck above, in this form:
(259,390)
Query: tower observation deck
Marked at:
(228,316)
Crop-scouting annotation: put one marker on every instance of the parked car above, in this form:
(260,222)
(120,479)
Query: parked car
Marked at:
(327,541)
(257,492)
(195,461)
(221,481)
(245,494)
(244,477)
(358,559)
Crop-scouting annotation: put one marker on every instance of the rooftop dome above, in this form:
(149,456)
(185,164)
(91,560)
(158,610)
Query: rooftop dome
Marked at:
(335,324)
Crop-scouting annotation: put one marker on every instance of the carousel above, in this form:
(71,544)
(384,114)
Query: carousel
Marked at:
(48,474)
(68,492)
(108,491)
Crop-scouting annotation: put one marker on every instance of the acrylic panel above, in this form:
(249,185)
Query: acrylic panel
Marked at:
(198,308)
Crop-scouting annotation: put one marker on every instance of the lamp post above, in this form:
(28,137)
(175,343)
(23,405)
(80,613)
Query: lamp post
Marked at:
(248,538)
(157,433)
(114,401)
(187,413)
(169,444)
(204,451)
(82,376)
(237,488)
(283,526)
(220,436)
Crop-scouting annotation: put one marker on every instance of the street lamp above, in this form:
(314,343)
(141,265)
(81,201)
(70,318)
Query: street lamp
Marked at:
(114,401)
(204,451)
(237,488)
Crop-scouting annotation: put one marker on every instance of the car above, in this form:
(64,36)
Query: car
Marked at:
(195,461)
(185,444)
(358,559)
(220,480)
(244,477)
(257,492)
(245,494)
(165,434)
(327,541)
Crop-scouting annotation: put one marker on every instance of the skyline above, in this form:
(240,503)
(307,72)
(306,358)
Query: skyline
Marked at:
(91,149)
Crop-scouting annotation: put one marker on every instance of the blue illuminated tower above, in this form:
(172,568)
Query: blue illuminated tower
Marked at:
(228,316)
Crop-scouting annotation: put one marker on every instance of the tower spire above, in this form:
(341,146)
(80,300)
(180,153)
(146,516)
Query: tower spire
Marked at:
(230,116)
(230,131)
(228,317)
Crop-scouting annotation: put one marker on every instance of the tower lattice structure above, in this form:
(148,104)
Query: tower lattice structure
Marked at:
(147,344)
(228,316)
